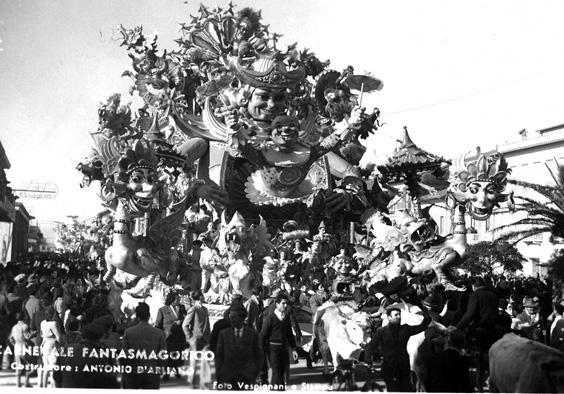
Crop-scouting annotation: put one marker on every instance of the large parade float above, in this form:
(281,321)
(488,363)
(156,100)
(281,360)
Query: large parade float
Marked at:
(265,141)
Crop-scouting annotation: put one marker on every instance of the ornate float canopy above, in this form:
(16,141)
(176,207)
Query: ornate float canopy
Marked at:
(408,163)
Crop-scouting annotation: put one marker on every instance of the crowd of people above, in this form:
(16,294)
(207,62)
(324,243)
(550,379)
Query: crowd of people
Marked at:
(57,302)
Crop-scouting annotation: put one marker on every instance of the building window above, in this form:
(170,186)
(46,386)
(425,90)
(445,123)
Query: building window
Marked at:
(535,265)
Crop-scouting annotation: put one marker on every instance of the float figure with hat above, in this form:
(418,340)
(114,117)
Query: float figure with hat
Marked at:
(134,185)
(272,138)
(245,115)
(475,185)
(224,87)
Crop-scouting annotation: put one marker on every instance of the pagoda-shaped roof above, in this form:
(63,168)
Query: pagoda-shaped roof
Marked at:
(162,148)
(408,157)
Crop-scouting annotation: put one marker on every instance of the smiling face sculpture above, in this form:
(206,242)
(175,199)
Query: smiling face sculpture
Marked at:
(481,185)
(141,189)
(138,178)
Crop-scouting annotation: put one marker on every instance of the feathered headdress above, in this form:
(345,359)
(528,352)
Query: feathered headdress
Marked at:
(267,72)
(139,156)
(485,168)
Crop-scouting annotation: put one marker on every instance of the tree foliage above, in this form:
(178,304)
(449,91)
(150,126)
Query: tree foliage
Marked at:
(484,256)
(542,216)
(556,266)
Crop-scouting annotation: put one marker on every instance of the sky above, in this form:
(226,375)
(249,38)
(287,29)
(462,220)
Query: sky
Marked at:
(458,74)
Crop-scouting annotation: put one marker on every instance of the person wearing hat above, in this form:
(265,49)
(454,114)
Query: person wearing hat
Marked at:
(238,355)
(530,321)
(224,322)
(322,235)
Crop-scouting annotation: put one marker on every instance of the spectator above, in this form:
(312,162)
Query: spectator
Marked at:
(73,334)
(36,320)
(32,304)
(276,335)
(11,304)
(59,302)
(530,323)
(175,342)
(254,307)
(170,314)
(196,324)
(238,354)
(513,311)
(19,337)
(145,337)
(76,376)
(303,298)
(224,322)
(481,314)
(391,342)
(503,321)
(449,370)
(51,337)
(557,328)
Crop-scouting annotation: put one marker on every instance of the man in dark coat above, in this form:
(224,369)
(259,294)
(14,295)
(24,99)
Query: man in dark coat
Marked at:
(224,322)
(143,337)
(238,355)
(449,370)
(391,342)
(481,314)
(254,307)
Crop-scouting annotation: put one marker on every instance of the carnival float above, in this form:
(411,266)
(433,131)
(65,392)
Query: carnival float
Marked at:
(268,141)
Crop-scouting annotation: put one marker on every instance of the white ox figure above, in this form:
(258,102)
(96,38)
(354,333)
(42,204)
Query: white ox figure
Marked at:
(419,346)
(340,330)
(237,242)
(121,303)
(519,365)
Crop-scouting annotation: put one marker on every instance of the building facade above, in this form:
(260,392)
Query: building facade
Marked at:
(20,232)
(528,158)
(7,209)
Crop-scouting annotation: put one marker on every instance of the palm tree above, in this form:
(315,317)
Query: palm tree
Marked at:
(542,216)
